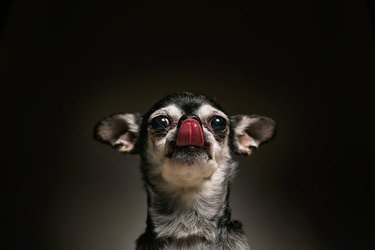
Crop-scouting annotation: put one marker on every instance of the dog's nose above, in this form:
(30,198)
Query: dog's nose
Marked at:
(190,132)
(184,117)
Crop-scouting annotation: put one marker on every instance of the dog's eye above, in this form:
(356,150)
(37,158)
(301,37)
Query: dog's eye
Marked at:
(160,123)
(218,123)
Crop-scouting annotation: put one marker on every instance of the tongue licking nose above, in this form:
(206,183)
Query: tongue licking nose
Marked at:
(190,134)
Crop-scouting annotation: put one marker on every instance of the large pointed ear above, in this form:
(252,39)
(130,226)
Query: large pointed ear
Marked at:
(120,131)
(249,131)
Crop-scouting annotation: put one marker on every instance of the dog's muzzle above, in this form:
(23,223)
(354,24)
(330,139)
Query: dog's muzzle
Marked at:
(189,146)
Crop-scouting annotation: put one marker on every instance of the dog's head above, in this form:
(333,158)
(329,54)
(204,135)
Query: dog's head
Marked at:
(184,138)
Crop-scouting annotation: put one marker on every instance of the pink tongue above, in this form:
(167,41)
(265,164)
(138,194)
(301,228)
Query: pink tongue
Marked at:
(190,134)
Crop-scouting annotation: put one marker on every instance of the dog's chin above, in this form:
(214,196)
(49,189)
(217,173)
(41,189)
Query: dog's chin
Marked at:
(188,167)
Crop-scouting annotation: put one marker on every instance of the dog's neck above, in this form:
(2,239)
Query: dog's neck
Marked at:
(183,213)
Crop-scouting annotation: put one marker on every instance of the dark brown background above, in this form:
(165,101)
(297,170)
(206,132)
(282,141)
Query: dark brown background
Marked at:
(307,64)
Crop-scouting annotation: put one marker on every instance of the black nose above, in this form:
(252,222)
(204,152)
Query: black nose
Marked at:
(184,117)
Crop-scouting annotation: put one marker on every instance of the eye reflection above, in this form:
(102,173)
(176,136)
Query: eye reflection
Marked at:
(160,123)
(218,123)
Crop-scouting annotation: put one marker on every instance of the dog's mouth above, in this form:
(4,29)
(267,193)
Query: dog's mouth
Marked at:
(189,154)
(189,146)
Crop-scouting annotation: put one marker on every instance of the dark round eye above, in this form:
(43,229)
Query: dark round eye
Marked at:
(218,123)
(160,123)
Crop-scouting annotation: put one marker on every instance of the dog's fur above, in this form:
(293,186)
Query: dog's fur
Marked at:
(187,187)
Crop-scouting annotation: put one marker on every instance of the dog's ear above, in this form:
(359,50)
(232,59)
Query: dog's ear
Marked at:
(249,131)
(120,131)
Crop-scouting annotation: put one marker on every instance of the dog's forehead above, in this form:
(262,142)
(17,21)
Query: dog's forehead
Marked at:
(170,110)
(186,103)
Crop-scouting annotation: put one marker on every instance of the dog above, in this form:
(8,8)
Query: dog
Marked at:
(186,142)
